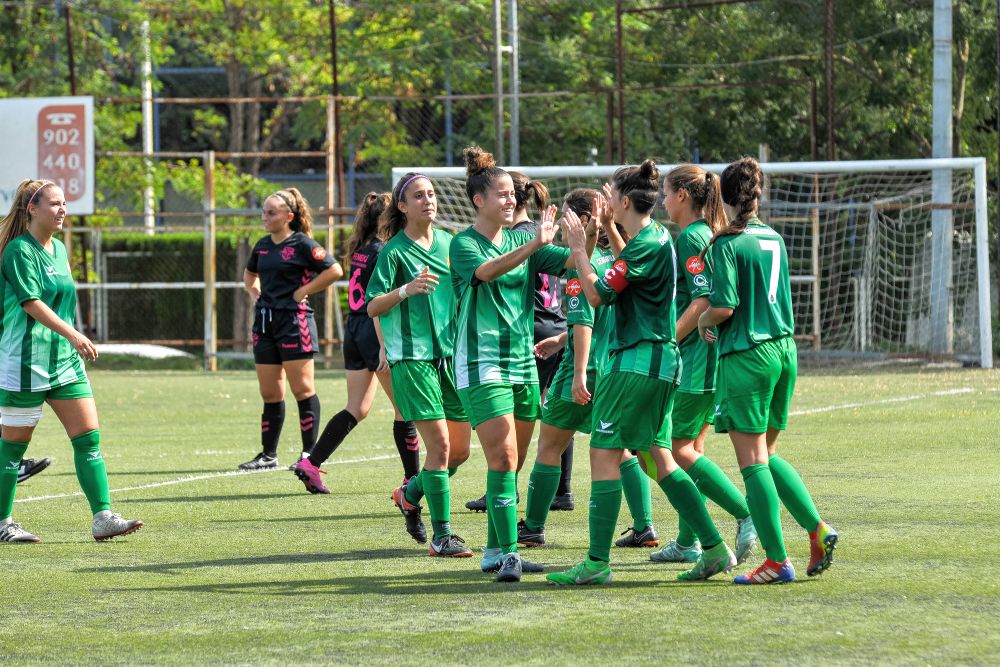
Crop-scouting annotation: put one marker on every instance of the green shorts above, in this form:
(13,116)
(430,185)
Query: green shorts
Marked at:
(690,413)
(426,390)
(754,388)
(567,415)
(632,411)
(486,401)
(33,399)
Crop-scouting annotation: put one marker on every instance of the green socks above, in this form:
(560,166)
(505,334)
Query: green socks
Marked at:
(687,500)
(712,482)
(415,488)
(635,485)
(11,454)
(793,493)
(685,534)
(90,470)
(437,491)
(501,507)
(765,509)
(605,503)
(542,486)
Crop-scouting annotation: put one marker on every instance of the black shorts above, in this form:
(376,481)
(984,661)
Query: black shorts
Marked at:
(361,346)
(284,335)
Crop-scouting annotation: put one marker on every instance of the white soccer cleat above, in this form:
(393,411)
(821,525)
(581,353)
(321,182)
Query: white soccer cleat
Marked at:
(107,524)
(12,532)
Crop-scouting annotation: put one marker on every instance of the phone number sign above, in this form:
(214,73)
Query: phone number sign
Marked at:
(49,138)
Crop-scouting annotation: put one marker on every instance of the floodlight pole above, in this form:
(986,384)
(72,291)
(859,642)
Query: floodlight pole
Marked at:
(515,85)
(148,200)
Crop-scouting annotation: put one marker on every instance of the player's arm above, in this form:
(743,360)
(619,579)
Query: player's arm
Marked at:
(251,283)
(582,335)
(45,316)
(615,241)
(711,318)
(591,233)
(383,364)
(688,321)
(323,280)
(547,347)
(494,268)
(576,235)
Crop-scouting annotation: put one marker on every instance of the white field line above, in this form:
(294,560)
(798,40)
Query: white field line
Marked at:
(233,473)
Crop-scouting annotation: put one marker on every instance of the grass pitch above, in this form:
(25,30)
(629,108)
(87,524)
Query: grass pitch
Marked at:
(250,569)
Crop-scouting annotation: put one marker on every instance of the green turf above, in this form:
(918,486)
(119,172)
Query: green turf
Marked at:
(250,569)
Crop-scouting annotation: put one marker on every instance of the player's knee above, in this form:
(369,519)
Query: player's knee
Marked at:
(20,417)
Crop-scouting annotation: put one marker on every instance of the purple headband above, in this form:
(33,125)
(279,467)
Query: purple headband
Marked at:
(41,187)
(407,182)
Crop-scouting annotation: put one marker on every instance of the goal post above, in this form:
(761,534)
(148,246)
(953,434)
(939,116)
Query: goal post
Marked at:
(878,263)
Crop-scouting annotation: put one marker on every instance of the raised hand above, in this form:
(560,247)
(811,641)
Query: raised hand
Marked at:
(573,229)
(547,227)
(425,283)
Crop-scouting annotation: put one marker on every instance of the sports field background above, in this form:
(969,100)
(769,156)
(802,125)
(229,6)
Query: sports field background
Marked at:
(249,569)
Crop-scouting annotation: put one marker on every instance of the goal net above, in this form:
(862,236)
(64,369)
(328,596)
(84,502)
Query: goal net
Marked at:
(886,257)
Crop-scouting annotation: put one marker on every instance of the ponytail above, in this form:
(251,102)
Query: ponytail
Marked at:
(703,188)
(366,223)
(297,205)
(525,189)
(741,186)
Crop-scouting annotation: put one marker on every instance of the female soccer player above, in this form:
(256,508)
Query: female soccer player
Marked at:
(633,397)
(364,357)
(692,199)
(418,320)
(42,355)
(550,328)
(751,304)
(493,272)
(285,267)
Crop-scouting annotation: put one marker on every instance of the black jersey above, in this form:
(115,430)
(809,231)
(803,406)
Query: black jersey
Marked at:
(549,318)
(362,264)
(286,266)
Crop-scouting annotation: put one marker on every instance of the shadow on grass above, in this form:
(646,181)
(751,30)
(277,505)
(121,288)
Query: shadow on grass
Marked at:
(274,559)
(451,582)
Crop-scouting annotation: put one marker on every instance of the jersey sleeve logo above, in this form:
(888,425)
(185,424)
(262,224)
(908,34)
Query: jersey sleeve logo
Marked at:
(695,265)
(615,276)
(287,253)
(574,287)
(318,253)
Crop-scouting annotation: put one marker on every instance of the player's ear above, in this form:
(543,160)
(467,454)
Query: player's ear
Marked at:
(477,199)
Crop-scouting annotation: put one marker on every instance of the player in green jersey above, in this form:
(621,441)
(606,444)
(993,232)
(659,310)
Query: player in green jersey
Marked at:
(493,272)
(751,304)
(417,323)
(692,199)
(42,355)
(633,397)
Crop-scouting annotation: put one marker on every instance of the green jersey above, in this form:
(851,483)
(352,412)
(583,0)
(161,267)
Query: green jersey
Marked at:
(600,320)
(750,275)
(494,342)
(32,356)
(642,284)
(421,327)
(695,281)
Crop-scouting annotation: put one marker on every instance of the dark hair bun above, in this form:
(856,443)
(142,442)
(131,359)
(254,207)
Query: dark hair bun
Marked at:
(648,170)
(477,160)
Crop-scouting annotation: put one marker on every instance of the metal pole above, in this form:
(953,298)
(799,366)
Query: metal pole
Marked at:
(831,141)
(515,86)
(330,309)
(337,152)
(498,83)
(69,50)
(620,80)
(210,309)
(997,219)
(148,202)
(983,269)
(942,318)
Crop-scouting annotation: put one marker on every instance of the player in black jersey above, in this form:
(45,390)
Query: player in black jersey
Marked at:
(364,357)
(550,329)
(285,267)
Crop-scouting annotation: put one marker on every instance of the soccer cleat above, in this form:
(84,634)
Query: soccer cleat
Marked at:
(746,539)
(449,546)
(675,553)
(822,542)
(303,455)
(511,568)
(107,524)
(491,563)
(770,572)
(562,503)
(530,538)
(411,513)
(646,537)
(30,468)
(584,573)
(719,558)
(477,505)
(12,532)
(310,476)
(260,462)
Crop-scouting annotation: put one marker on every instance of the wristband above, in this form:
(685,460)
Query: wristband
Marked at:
(402,293)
